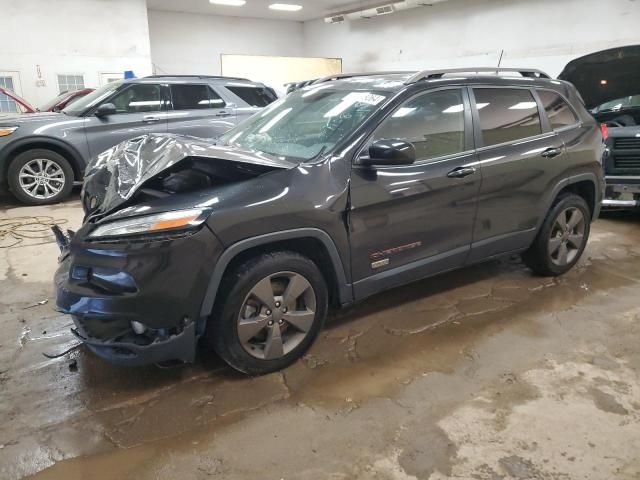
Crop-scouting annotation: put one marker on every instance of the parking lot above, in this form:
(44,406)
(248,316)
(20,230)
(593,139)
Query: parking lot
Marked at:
(472,374)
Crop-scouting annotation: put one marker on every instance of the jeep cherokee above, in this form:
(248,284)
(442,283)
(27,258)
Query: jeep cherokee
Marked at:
(343,189)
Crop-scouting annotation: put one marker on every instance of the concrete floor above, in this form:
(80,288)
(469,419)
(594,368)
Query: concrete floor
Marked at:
(486,373)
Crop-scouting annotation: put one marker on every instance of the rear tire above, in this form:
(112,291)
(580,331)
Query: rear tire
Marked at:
(40,177)
(562,237)
(269,311)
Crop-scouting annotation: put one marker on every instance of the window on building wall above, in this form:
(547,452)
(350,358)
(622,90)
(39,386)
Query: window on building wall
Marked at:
(70,82)
(7,104)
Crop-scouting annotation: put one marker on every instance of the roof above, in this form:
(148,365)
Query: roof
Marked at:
(394,81)
(193,78)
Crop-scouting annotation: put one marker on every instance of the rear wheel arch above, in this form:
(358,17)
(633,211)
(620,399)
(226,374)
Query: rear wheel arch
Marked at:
(312,243)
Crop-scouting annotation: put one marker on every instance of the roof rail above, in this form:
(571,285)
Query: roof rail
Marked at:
(221,77)
(429,74)
(340,76)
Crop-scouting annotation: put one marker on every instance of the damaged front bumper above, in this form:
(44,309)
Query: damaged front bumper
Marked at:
(138,301)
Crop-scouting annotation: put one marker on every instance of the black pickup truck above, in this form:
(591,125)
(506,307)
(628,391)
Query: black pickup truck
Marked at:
(609,82)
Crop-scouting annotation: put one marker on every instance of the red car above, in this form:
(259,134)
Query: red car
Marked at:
(23,105)
(64,99)
(55,105)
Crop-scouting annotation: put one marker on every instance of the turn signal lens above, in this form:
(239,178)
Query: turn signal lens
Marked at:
(605,131)
(177,220)
(4,131)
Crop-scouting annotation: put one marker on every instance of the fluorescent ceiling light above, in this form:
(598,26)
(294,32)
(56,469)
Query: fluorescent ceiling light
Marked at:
(523,106)
(454,109)
(228,3)
(287,7)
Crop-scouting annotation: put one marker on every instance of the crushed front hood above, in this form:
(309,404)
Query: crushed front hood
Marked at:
(604,76)
(114,176)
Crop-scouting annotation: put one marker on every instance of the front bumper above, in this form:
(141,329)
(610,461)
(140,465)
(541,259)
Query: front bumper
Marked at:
(159,283)
(622,192)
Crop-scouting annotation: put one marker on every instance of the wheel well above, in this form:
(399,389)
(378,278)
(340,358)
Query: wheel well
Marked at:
(77,174)
(585,189)
(310,247)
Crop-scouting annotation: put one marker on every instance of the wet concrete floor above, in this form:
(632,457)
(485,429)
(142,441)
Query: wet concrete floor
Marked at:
(485,373)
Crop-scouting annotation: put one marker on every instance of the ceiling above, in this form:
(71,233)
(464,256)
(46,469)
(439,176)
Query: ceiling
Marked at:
(312,9)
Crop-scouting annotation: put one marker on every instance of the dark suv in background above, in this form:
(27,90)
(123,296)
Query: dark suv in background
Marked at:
(609,83)
(341,190)
(43,154)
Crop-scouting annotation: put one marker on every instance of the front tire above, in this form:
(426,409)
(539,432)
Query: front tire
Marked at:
(269,310)
(562,237)
(40,177)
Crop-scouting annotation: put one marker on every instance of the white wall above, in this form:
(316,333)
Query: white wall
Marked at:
(183,43)
(72,36)
(537,33)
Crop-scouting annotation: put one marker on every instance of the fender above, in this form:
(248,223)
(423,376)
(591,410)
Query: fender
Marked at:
(344,289)
(565,182)
(74,156)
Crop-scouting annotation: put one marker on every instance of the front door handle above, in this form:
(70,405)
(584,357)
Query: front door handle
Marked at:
(222,114)
(150,119)
(461,172)
(551,152)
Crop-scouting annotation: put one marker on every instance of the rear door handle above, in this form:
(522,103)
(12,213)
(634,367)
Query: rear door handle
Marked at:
(222,114)
(461,172)
(551,152)
(150,119)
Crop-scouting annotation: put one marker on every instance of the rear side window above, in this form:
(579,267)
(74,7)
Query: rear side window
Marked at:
(506,114)
(254,96)
(559,112)
(433,122)
(194,97)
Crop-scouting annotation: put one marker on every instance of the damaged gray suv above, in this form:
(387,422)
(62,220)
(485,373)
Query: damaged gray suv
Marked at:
(345,188)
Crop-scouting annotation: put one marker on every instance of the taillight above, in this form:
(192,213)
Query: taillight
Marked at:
(605,131)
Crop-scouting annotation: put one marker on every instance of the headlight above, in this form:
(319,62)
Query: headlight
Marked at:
(4,131)
(160,222)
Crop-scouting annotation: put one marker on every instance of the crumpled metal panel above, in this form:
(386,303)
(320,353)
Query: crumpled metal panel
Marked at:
(115,175)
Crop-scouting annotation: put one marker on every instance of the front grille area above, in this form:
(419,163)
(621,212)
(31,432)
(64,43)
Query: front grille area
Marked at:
(629,143)
(626,154)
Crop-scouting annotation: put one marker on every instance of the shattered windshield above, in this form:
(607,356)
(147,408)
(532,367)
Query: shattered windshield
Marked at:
(306,123)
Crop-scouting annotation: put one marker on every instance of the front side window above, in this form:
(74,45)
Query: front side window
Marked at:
(558,111)
(68,83)
(92,99)
(254,96)
(194,97)
(506,114)
(138,98)
(433,123)
(307,122)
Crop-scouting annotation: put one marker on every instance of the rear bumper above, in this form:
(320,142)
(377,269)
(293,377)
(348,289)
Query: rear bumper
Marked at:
(157,285)
(622,192)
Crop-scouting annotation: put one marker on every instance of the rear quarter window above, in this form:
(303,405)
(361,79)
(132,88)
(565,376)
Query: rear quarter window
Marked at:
(558,111)
(506,114)
(254,96)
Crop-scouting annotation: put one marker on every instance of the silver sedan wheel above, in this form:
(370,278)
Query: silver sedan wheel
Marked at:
(41,178)
(567,236)
(276,315)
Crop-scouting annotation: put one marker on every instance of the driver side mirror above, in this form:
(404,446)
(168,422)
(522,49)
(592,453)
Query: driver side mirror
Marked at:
(105,110)
(390,152)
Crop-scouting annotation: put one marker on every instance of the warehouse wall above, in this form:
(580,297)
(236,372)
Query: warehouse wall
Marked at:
(542,33)
(183,43)
(86,37)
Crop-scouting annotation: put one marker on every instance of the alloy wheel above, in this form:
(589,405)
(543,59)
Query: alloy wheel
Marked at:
(41,178)
(567,236)
(276,315)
